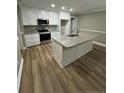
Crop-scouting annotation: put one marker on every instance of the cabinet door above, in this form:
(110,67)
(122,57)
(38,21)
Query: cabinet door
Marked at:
(33,16)
(64,15)
(32,39)
(28,40)
(84,48)
(67,16)
(29,16)
(39,14)
(43,14)
(53,18)
(68,54)
(56,18)
(36,39)
(25,16)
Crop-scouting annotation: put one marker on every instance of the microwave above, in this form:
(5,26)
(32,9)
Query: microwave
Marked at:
(42,22)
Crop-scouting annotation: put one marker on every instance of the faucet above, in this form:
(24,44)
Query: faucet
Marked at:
(75,29)
(77,32)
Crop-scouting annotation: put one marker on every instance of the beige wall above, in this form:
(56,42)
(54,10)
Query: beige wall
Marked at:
(94,21)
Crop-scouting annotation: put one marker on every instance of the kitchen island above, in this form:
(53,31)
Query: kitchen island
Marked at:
(67,49)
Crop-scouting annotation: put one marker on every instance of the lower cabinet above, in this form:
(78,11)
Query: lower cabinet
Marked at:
(66,55)
(32,39)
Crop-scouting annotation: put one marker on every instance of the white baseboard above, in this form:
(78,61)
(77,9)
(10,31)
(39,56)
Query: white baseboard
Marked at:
(73,59)
(57,60)
(69,61)
(20,73)
(89,30)
(98,43)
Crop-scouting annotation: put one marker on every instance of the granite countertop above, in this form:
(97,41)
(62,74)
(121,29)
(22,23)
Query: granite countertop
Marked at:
(67,41)
(31,32)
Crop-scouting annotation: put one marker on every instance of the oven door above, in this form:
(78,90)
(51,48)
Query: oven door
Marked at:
(45,36)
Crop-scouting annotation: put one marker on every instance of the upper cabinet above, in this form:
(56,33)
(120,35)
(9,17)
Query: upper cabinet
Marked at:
(29,16)
(53,18)
(64,16)
(64,23)
(41,14)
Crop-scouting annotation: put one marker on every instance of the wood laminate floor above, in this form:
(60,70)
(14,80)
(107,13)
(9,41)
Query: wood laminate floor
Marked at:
(42,74)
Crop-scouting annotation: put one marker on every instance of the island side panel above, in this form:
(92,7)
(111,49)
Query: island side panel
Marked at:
(73,53)
(57,52)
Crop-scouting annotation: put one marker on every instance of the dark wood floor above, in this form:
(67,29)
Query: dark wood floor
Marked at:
(42,74)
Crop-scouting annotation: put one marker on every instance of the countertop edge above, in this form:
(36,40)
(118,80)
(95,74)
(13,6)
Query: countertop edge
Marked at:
(72,45)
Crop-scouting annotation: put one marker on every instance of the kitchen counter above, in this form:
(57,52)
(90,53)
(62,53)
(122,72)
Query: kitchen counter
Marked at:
(67,41)
(67,49)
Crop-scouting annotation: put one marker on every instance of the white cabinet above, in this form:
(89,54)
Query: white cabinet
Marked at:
(84,48)
(42,14)
(25,17)
(39,14)
(53,18)
(66,55)
(32,39)
(29,16)
(64,27)
(64,16)
(64,23)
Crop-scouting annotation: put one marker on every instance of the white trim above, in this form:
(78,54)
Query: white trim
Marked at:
(57,60)
(93,11)
(98,43)
(73,59)
(69,61)
(20,73)
(103,32)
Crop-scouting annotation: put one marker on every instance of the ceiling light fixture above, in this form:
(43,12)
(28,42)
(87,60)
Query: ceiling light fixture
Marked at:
(71,9)
(63,8)
(52,5)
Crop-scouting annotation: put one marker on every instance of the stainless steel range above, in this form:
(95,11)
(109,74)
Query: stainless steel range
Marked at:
(44,32)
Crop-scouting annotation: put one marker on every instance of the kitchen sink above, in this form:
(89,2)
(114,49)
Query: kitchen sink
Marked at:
(73,35)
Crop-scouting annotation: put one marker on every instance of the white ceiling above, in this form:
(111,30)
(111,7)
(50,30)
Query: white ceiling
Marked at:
(79,6)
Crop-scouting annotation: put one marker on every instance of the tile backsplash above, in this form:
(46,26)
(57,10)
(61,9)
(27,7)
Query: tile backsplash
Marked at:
(30,28)
(34,28)
(53,28)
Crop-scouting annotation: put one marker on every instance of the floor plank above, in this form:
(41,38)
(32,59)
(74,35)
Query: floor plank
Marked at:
(42,74)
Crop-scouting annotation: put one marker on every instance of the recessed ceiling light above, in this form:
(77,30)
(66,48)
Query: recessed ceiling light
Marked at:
(52,5)
(63,8)
(71,9)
